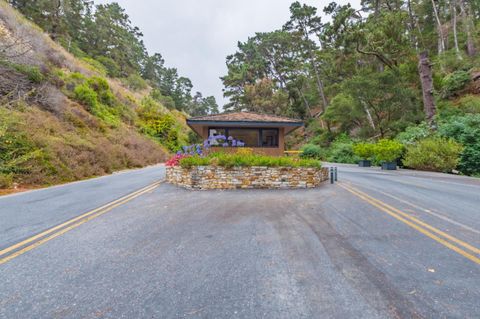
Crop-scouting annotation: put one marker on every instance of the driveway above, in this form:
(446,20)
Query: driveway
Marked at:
(375,245)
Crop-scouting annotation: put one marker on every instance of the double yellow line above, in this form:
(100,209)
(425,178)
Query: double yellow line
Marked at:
(28,244)
(453,243)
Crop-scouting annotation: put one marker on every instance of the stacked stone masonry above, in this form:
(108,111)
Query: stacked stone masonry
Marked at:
(213,177)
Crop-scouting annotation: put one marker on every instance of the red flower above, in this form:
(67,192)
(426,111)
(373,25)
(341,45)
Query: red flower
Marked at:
(175,161)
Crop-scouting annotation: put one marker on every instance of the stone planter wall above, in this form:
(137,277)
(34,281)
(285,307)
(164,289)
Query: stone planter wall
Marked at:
(212,177)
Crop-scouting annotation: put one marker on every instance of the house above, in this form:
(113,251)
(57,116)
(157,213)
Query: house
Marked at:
(264,133)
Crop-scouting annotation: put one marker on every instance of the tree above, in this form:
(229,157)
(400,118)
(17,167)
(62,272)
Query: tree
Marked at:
(425,71)
(305,22)
(202,106)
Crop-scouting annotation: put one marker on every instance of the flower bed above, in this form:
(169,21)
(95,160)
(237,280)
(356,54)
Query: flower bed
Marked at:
(262,177)
(244,170)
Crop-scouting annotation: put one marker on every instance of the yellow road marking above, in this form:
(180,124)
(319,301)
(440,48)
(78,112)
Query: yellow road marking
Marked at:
(70,224)
(422,223)
(428,211)
(412,223)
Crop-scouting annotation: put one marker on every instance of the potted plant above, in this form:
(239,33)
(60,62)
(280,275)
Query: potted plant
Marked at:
(387,152)
(365,151)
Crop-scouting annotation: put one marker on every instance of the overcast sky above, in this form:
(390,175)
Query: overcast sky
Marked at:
(195,36)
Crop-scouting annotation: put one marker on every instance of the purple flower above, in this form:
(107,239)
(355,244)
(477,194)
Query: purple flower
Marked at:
(240,144)
(225,144)
(234,143)
(230,138)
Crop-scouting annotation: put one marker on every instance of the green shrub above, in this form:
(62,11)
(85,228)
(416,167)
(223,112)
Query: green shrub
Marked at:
(86,96)
(6,180)
(312,151)
(465,130)
(33,73)
(341,151)
(159,125)
(102,88)
(166,101)
(364,150)
(470,160)
(112,68)
(17,151)
(413,134)
(135,82)
(454,82)
(433,154)
(388,150)
(446,109)
(191,161)
(95,65)
(469,104)
(229,160)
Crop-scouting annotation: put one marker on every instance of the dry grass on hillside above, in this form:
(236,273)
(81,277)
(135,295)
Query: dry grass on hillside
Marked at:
(45,137)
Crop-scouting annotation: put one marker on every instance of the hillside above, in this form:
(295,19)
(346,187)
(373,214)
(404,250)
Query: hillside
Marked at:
(402,70)
(62,119)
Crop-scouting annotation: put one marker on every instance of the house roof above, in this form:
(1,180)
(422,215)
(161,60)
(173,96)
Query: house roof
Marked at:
(244,117)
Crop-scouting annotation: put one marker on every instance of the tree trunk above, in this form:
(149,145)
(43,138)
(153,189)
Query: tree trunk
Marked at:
(320,86)
(369,115)
(411,26)
(425,72)
(441,39)
(467,24)
(454,23)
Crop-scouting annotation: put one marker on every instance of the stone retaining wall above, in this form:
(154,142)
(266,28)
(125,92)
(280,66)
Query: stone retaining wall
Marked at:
(213,177)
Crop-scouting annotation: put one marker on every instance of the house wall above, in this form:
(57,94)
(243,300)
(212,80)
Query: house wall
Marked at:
(271,151)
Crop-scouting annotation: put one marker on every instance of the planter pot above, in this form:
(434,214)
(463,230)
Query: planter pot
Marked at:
(390,166)
(364,163)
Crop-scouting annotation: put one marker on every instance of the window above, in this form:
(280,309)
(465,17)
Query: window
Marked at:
(269,138)
(248,136)
(252,137)
(216,132)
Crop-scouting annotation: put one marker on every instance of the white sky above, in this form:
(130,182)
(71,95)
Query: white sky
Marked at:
(195,36)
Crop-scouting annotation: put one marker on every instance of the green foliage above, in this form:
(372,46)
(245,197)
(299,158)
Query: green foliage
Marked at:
(446,109)
(388,150)
(95,65)
(454,82)
(96,95)
(469,104)
(413,134)
(364,150)
(159,125)
(433,154)
(6,180)
(84,94)
(166,101)
(191,161)
(17,151)
(312,151)
(341,151)
(135,82)
(465,130)
(241,160)
(33,73)
(103,36)
(111,67)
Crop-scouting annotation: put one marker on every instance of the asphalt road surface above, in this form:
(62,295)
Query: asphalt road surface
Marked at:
(374,245)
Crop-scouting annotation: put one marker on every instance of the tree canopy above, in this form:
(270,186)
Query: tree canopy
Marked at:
(105,33)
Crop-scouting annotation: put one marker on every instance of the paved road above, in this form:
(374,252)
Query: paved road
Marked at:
(339,251)
(24,214)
